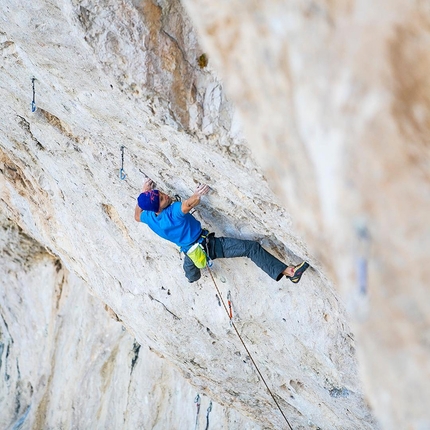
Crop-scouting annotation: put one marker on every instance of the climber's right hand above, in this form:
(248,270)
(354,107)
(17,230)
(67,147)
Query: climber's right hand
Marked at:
(148,184)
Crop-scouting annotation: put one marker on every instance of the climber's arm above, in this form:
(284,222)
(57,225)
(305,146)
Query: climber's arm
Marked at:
(137,212)
(194,200)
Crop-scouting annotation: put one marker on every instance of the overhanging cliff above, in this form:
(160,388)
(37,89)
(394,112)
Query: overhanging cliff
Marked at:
(112,74)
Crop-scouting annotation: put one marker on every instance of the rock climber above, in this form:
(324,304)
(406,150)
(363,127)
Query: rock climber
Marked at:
(172,221)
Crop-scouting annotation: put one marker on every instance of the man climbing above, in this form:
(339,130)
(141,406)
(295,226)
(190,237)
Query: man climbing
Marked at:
(172,221)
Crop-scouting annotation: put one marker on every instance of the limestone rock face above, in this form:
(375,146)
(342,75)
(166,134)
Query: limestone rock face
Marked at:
(67,364)
(334,99)
(112,74)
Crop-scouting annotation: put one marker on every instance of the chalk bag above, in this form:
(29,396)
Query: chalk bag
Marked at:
(198,255)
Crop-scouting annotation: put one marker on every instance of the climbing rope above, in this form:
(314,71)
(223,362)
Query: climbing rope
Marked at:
(247,350)
(122,174)
(197,401)
(208,411)
(33,103)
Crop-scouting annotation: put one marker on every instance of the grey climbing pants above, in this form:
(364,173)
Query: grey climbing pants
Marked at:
(226,247)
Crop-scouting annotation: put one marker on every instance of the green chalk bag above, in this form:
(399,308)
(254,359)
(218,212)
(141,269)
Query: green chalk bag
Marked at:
(198,255)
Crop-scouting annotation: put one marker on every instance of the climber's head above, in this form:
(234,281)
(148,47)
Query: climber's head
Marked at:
(149,201)
(153,200)
(165,201)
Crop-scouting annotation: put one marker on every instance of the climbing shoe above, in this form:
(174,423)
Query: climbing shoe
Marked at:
(298,272)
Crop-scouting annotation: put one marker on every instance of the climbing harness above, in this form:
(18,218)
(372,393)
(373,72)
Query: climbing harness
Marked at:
(122,174)
(247,350)
(198,252)
(208,411)
(33,103)
(204,243)
(197,401)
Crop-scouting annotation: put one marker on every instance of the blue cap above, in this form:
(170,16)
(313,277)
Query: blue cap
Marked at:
(149,201)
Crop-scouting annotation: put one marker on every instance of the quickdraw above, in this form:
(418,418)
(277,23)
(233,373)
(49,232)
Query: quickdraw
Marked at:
(122,174)
(197,402)
(207,415)
(33,103)
(230,310)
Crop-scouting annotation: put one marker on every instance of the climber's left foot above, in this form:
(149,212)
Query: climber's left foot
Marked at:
(289,271)
(294,273)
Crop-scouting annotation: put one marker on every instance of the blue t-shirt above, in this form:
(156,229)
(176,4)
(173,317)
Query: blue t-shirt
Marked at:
(172,224)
